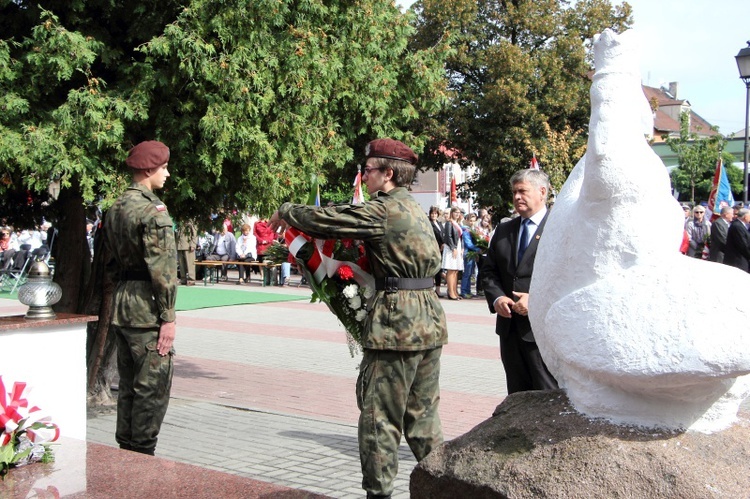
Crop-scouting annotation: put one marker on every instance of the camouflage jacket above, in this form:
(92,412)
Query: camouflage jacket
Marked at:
(140,237)
(399,242)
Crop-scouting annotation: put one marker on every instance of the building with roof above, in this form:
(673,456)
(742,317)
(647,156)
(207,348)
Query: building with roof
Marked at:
(668,108)
(432,188)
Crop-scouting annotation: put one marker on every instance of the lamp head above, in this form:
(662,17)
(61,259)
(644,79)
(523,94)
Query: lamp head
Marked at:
(743,63)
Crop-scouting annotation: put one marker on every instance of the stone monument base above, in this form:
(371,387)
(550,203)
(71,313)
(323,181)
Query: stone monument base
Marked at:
(538,445)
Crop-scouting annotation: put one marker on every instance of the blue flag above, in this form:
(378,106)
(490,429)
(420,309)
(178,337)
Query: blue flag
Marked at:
(721,191)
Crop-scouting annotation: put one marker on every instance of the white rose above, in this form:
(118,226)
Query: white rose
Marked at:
(361,314)
(355,302)
(350,291)
(368,292)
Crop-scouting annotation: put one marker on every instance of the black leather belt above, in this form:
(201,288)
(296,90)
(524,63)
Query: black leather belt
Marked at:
(135,275)
(393,284)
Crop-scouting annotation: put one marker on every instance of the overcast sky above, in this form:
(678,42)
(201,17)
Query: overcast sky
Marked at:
(693,42)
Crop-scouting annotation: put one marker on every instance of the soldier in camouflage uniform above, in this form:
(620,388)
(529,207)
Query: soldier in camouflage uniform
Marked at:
(187,240)
(140,237)
(398,387)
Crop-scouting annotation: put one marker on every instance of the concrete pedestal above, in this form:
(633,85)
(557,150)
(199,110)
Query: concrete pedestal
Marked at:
(50,357)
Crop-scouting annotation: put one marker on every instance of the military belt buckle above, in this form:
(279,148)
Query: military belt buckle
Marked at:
(391,284)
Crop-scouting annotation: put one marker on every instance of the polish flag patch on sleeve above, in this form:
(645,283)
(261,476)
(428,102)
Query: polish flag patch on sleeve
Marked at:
(160,207)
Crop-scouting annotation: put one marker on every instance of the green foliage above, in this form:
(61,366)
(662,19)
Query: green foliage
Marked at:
(251,97)
(62,122)
(697,158)
(257,96)
(734,175)
(519,84)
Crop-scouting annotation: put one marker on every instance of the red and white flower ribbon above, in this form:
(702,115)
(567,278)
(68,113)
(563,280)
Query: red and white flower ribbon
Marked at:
(362,278)
(322,264)
(15,415)
(295,240)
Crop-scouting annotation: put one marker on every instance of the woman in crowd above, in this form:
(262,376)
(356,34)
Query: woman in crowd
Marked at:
(437,229)
(453,254)
(246,252)
(484,227)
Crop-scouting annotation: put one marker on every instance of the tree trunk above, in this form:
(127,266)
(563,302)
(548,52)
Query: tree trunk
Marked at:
(84,290)
(73,258)
(100,342)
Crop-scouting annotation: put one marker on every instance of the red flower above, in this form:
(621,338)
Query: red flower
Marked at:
(347,243)
(345,272)
(328,246)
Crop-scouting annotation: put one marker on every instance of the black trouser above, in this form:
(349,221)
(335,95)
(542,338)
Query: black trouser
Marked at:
(524,367)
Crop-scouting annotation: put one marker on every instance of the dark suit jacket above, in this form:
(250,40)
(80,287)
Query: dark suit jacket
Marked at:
(501,276)
(437,230)
(718,240)
(451,236)
(737,249)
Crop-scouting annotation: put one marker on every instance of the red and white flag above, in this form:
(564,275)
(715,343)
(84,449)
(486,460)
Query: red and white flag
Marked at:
(358,198)
(534,163)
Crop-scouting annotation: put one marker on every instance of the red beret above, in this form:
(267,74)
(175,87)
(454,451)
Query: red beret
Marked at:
(147,155)
(390,149)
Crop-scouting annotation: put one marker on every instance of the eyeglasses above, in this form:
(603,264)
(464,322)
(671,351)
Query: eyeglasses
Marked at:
(367,170)
(700,212)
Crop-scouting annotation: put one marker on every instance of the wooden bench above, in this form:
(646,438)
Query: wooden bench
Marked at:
(211,269)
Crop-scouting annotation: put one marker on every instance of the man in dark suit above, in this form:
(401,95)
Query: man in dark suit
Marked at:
(737,249)
(506,276)
(719,234)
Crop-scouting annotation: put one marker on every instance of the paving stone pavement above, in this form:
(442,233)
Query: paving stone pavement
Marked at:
(266,391)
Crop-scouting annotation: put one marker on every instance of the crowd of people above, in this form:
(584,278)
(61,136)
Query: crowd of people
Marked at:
(249,244)
(18,246)
(724,240)
(462,240)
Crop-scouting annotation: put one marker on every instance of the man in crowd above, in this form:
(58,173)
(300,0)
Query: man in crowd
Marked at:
(140,237)
(737,248)
(223,248)
(719,234)
(686,211)
(398,386)
(187,239)
(506,276)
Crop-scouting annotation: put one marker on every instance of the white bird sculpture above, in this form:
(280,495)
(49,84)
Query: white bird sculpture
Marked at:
(634,331)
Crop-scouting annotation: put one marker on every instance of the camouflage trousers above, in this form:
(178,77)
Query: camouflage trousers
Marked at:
(143,394)
(397,393)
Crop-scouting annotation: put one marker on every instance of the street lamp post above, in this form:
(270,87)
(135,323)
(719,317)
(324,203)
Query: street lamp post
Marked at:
(743,64)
